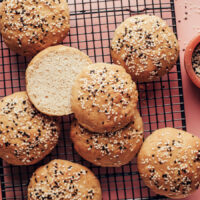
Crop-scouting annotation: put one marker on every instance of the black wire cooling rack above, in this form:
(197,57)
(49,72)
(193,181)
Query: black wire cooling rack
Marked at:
(160,103)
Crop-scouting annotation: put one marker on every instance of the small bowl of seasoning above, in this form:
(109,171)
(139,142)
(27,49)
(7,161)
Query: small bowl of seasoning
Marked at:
(192,60)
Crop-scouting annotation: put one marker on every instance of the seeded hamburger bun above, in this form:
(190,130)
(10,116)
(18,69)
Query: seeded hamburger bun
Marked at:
(145,46)
(28,27)
(112,149)
(62,179)
(26,136)
(104,98)
(49,78)
(169,162)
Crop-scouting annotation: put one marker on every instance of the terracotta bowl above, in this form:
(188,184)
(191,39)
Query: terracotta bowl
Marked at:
(188,60)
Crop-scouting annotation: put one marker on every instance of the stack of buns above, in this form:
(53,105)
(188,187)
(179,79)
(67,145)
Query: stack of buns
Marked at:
(103,100)
(107,129)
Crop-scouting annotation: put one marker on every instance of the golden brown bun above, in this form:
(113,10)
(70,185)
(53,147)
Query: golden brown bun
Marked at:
(26,136)
(63,180)
(112,149)
(169,162)
(104,97)
(145,46)
(29,26)
(50,76)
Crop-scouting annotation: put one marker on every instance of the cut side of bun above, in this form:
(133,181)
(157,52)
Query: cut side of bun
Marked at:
(49,78)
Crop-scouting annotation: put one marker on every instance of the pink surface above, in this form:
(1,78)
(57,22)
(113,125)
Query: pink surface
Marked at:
(188,25)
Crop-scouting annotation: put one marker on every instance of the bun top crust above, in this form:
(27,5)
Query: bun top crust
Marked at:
(63,180)
(145,46)
(30,26)
(104,97)
(26,135)
(169,162)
